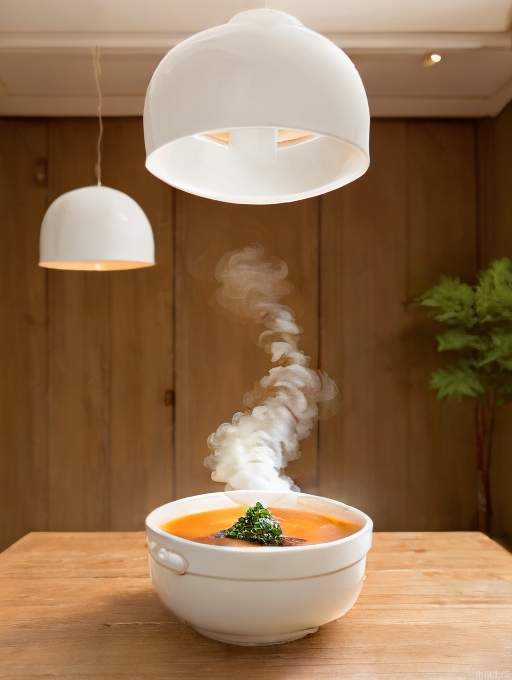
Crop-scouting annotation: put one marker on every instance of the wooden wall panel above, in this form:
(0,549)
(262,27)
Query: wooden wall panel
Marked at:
(363,448)
(496,226)
(393,449)
(79,357)
(141,341)
(442,235)
(217,359)
(23,351)
(86,436)
(111,359)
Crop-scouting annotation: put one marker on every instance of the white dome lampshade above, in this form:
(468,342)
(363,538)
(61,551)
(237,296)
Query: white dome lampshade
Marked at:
(258,110)
(95,228)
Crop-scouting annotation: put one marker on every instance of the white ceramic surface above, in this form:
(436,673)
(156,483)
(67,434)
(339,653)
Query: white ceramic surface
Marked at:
(260,72)
(257,596)
(95,228)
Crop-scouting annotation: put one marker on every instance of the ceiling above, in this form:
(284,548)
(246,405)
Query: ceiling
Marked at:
(46,63)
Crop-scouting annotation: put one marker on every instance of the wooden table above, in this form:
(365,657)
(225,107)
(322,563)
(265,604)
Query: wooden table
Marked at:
(80,606)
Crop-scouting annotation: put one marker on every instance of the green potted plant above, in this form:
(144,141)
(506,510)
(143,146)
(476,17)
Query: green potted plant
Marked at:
(477,333)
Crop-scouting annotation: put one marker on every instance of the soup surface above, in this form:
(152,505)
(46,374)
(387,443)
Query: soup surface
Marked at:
(303,526)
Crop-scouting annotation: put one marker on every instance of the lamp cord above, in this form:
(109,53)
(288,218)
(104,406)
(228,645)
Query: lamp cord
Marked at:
(99,110)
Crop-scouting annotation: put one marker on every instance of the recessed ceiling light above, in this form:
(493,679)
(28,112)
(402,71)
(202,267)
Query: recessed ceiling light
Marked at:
(432,59)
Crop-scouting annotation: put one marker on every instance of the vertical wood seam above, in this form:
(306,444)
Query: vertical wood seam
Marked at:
(480,201)
(47,339)
(484,181)
(407,265)
(319,330)
(174,316)
(109,428)
(107,425)
(49,334)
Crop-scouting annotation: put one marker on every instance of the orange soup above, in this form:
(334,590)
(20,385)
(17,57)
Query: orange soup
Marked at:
(300,527)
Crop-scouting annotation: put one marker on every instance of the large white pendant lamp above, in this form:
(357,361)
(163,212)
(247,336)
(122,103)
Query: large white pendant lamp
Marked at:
(96,228)
(258,110)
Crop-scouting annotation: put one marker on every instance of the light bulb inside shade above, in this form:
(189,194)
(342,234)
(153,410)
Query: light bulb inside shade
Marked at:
(88,266)
(284,138)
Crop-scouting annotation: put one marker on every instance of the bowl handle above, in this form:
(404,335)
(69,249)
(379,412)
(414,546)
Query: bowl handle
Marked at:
(168,558)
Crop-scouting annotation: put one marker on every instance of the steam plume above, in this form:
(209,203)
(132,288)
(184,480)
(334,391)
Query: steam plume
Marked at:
(252,451)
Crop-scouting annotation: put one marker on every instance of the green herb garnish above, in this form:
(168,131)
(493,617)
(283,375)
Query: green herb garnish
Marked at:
(256,526)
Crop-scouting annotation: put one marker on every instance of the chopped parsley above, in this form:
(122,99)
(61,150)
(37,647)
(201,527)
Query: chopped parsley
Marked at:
(256,526)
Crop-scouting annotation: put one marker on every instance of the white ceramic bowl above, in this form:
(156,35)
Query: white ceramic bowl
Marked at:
(257,596)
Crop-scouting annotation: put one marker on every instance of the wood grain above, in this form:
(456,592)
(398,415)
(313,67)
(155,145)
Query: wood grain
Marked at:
(78,357)
(496,224)
(79,606)
(364,448)
(111,359)
(217,359)
(141,342)
(23,350)
(393,449)
(86,438)
(442,239)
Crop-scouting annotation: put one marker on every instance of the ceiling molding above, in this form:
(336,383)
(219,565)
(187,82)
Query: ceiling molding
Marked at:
(475,54)
(380,107)
(159,43)
(500,99)
(21,105)
(429,107)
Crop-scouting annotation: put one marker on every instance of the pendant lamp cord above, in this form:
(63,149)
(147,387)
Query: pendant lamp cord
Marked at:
(99,110)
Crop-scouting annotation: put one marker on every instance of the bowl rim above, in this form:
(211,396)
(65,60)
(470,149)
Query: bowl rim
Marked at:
(367,527)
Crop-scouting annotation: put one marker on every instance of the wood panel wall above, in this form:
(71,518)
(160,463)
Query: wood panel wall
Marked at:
(94,361)
(86,434)
(218,360)
(496,241)
(23,337)
(393,449)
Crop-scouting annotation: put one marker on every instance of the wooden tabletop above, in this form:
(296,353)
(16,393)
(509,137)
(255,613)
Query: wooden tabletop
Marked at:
(81,606)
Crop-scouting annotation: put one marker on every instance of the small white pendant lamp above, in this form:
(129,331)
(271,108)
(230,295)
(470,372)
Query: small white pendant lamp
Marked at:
(258,110)
(96,228)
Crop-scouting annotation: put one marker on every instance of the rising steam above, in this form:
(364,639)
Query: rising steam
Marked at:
(252,451)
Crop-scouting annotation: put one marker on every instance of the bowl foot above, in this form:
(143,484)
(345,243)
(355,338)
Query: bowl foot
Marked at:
(256,640)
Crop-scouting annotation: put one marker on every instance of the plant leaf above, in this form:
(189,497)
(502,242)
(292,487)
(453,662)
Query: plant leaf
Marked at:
(457,381)
(494,292)
(479,330)
(451,301)
(458,339)
(499,348)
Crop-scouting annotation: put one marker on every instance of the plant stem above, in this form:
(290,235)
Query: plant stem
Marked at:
(481,495)
(485,410)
